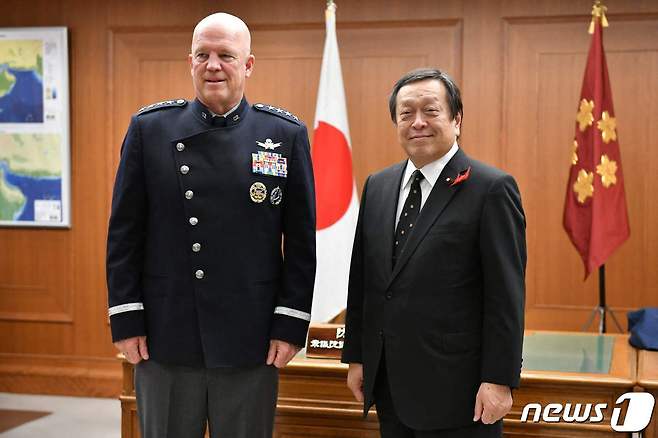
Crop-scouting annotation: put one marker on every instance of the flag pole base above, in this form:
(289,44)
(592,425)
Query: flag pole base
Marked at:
(601,311)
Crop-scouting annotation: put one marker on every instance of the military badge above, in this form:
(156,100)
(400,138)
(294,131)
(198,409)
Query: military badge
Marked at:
(269,163)
(258,192)
(268,144)
(276,196)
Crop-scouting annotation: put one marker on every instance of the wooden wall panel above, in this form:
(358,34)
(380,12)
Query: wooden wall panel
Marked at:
(633,62)
(519,65)
(27,296)
(147,66)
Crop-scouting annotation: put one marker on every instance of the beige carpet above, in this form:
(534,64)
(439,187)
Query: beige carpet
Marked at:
(11,418)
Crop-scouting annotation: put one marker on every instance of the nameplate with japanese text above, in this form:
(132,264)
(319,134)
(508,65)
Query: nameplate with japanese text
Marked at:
(325,341)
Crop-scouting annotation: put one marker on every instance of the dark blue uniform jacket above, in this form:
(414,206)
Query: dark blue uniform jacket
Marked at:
(211,243)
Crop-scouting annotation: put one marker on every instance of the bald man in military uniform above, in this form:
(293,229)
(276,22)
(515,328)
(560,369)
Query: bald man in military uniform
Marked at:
(211,248)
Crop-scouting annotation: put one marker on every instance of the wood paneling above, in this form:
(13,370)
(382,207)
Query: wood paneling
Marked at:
(59,374)
(519,65)
(30,297)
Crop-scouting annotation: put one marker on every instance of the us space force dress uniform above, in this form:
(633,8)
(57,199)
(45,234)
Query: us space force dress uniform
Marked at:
(211,243)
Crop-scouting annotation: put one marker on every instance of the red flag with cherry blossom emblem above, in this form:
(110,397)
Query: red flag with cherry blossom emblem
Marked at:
(595,214)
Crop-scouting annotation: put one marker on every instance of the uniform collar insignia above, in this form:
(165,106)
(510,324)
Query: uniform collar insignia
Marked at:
(206,116)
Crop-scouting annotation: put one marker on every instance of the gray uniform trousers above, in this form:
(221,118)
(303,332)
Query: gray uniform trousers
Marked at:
(177,401)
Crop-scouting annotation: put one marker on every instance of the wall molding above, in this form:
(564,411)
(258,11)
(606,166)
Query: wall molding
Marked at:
(60,375)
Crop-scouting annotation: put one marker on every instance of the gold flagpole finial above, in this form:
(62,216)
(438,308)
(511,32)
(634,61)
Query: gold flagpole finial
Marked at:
(598,13)
(331,8)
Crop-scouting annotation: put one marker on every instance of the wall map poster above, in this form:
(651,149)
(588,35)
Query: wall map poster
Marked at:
(34,127)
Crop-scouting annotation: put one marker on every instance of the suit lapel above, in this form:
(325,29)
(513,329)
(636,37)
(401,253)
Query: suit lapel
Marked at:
(439,197)
(391,193)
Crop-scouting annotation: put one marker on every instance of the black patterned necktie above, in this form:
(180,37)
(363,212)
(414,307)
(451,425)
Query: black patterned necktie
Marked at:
(408,216)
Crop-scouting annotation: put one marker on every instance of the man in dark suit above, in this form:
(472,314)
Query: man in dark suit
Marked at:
(434,326)
(211,248)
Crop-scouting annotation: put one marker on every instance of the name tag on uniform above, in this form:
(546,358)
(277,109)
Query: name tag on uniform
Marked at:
(269,163)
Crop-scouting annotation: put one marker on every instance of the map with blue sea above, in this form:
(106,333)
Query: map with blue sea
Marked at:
(30,177)
(21,81)
(34,127)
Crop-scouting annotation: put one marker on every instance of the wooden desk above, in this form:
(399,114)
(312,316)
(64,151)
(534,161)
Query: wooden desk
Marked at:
(129,420)
(314,401)
(574,387)
(647,380)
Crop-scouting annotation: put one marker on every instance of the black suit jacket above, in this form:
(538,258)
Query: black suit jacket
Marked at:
(194,250)
(449,315)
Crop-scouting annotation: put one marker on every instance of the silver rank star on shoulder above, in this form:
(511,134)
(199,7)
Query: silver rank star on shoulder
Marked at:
(268,144)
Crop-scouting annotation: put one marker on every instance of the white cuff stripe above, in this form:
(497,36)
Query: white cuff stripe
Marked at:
(292,312)
(125,308)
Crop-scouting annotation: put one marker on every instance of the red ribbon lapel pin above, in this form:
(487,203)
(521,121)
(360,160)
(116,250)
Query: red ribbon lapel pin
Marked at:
(463,176)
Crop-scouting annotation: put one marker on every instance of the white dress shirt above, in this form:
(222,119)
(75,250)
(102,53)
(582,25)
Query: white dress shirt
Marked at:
(431,173)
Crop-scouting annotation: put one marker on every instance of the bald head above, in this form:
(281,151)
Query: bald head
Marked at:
(228,24)
(220,61)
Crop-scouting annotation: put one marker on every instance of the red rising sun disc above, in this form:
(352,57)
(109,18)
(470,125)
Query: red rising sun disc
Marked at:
(332,167)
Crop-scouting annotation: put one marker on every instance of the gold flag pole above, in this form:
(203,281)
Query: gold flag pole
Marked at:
(598,13)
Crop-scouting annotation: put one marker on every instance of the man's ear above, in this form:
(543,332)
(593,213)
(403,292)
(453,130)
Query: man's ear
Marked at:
(249,66)
(458,124)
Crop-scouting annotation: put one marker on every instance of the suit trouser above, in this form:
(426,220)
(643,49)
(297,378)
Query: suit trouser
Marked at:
(177,401)
(390,425)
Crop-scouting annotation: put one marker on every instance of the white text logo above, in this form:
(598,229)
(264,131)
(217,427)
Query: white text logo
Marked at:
(638,414)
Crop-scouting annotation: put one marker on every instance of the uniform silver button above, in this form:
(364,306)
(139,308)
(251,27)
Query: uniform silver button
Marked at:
(180,147)
(194,221)
(180,101)
(184,169)
(196,247)
(189,194)
(199,274)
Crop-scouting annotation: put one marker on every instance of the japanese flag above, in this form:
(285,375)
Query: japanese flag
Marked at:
(336,198)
